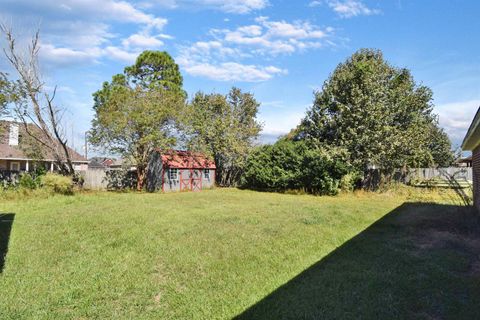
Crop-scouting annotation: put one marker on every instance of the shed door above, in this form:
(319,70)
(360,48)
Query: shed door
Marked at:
(185,180)
(196,180)
(191,180)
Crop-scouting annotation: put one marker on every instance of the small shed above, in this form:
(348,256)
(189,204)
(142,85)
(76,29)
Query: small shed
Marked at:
(180,171)
(472,143)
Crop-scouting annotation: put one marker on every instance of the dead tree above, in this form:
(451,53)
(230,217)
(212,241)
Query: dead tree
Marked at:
(37,108)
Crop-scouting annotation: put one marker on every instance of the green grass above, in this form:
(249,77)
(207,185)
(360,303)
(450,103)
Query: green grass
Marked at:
(228,253)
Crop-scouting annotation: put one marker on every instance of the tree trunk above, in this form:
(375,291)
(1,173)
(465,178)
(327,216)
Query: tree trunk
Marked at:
(140,177)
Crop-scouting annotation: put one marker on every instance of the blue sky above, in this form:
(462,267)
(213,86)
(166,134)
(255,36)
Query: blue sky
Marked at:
(279,50)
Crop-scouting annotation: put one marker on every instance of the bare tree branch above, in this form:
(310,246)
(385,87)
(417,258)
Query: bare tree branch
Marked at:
(46,116)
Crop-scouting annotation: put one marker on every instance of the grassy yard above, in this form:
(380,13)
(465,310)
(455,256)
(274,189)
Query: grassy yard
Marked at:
(222,254)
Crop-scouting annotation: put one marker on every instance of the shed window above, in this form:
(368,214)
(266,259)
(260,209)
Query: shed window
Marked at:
(173,174)
(206,173)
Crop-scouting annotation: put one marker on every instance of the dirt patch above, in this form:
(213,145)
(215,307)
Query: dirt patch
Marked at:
(158,297)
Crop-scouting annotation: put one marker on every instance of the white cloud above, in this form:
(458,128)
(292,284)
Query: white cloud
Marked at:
(120,54)
(276,37)
(223,57)
(64,56)
(315,3)
(238,6)
(347,8)
(232,71)
(205,50)
(212,60)
(229,6)
(108,10)
(142,41)
(61,56)
(93,10)
(78,31)
(456,117)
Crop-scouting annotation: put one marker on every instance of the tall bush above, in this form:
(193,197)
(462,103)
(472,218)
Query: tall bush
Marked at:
(295,165)
(57,183)
(26,181)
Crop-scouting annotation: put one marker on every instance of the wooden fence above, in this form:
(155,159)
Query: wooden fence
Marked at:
(95,179)
(109,179)
(459,173)
(451,176)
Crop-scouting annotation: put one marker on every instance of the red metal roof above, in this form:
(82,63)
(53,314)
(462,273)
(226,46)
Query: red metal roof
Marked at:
(186,160)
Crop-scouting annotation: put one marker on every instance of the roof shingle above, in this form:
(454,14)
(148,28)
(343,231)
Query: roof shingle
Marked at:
(16,152)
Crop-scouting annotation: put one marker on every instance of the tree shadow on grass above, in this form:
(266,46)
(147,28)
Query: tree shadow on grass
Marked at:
(6,222)
(420,261)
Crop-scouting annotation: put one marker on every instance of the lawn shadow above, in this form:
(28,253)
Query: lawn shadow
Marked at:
(420,261)
(6,222)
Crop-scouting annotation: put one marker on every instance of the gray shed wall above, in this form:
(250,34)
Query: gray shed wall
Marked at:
(184,174)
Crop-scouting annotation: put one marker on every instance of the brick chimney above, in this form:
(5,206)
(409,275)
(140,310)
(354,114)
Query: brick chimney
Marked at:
(13,135)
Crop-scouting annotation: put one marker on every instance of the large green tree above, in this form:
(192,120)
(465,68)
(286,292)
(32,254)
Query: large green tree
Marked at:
(440,147)
(137,111)
(225,128)
(5,92)
(378,113)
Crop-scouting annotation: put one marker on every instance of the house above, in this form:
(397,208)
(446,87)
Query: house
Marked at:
(13,158)
(179,171)
(464,162)
(472,143)
(106,163)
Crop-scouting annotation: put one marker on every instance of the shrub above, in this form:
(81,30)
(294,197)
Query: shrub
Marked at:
(275,167)
(349,181)
(121,179)
(288,165)
(26,181)
(57,183)
(78,180)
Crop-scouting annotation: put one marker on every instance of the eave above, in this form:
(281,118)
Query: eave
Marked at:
(44,160)
(472,138)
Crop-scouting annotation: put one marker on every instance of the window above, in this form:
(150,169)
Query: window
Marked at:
(206,173)
(173,174)
(14,166)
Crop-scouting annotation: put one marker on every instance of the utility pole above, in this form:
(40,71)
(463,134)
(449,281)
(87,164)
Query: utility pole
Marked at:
(73,138)
(86,145)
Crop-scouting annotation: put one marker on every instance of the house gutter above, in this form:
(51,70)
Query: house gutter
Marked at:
(46,160)
(473,129)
